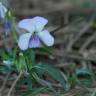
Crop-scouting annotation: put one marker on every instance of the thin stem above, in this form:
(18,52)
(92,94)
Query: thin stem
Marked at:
(4,84)
(14,83)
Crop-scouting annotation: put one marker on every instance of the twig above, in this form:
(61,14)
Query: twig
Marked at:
(73,55)
(4,83)
(85,28)
(14,83)
(88,41)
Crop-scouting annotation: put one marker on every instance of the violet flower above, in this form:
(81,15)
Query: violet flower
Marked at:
(35,35)
(6,23)
(7,26)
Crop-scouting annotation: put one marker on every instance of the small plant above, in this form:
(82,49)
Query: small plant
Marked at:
(28,36)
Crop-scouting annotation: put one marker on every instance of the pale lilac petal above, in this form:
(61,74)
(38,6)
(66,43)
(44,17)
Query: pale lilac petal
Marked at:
(34,42)
(46,38)
(39,22)
(23,42)
(3,10)
(26,24)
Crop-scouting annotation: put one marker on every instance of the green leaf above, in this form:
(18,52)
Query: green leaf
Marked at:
(86,82)
(8,15)
(30,58)
(54,73)
(45,84)
(4,70)
(84,71)
(21,64)
(73,80)
(94,93)
(87,4)
(14,30)
(33,91)
(46,50)
(4,55)
(27,80)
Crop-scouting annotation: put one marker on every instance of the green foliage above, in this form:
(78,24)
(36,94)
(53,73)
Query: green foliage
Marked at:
(46,50)
(33,91)
(73,80)
(21,63)
(86,82)
(54,73)
(30,58)
(46,84)
(25,61)
(94,93)
(8,15)
(84,71)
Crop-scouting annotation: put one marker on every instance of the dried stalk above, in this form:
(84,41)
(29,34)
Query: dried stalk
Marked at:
(14,83)
(4,84)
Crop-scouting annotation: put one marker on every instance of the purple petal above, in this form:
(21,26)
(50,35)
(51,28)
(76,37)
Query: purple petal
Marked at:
(46,38)
(24,41)
(7,26)
(34,42)
(26,24)
(39,22)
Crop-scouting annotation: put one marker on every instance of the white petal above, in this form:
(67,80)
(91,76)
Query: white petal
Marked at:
(26,24)
(23,42)
(39,22)
(3,10)
(46,37)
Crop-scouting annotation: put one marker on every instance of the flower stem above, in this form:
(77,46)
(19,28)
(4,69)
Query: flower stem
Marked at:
(14,83)
(4,84)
